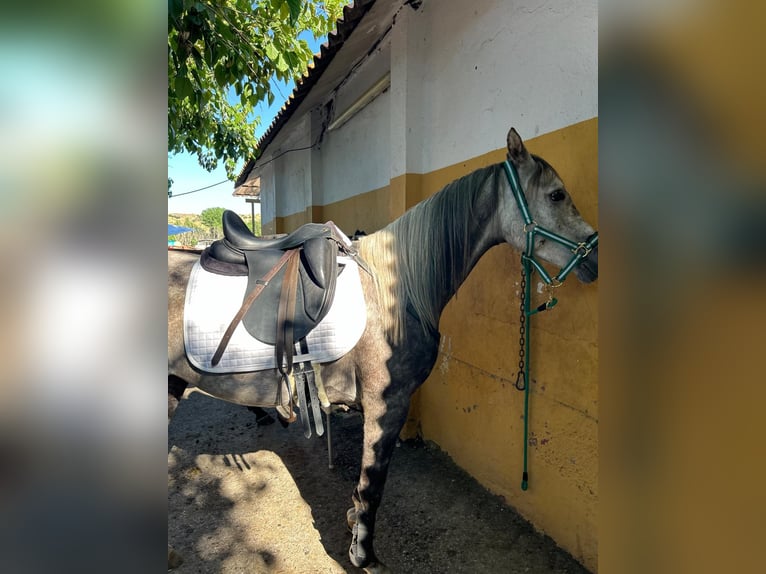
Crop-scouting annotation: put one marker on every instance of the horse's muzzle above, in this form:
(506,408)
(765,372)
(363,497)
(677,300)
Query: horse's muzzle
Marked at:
(587,270)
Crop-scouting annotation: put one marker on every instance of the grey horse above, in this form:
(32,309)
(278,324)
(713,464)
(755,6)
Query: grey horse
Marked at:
(418,262)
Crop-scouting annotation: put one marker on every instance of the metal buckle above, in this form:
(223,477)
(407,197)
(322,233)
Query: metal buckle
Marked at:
(554,284)
(582,248)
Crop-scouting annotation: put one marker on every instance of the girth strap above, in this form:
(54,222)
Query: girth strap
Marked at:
(308,399)
(247,303)
(313,396)
(286,314)
(300,382)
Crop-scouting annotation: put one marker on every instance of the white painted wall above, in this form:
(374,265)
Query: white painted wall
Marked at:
(292,171)
(407,63)
(268,193)
(362,77)
(462,73)
(356,155)
(491,64)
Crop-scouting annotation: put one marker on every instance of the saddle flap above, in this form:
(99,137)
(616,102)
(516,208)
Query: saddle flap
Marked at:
(315,289)
(320,258)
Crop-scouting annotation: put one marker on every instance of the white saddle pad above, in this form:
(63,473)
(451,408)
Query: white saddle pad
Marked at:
(212,301)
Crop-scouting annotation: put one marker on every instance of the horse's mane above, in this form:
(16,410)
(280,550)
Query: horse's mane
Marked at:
(424,252)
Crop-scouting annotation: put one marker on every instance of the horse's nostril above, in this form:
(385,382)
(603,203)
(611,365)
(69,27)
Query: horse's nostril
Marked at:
(591,263)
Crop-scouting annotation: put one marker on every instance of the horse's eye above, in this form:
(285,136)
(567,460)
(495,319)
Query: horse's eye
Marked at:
(557,195)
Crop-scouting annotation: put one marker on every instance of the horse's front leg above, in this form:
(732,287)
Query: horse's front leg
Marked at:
(383,420)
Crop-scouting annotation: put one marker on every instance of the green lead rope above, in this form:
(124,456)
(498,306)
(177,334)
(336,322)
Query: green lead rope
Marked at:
(527,296)
(527,267)
(529,263)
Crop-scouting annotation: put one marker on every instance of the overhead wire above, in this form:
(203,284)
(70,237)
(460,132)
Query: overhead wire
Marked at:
(196,190)
(264,163)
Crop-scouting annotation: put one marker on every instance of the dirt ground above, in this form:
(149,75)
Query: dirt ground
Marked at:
(261,499)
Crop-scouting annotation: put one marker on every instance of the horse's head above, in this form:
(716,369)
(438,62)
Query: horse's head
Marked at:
(551,207)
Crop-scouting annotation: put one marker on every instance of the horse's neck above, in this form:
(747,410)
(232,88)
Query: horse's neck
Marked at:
(481,236)
(461,242)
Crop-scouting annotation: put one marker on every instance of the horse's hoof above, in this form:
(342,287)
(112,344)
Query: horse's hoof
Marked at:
(361,553)
(356,552)
(174,559)
(351,518)
(356,559)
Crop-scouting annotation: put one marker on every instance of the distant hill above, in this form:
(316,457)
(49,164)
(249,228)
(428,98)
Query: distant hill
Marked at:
(201,232)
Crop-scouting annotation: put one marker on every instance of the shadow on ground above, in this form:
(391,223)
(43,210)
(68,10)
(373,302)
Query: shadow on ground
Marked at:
(243,497)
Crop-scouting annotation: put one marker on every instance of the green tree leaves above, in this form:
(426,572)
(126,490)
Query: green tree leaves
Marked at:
(220,47)
(295,9)
(211,217)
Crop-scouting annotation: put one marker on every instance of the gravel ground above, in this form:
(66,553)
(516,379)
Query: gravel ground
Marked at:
(261,499)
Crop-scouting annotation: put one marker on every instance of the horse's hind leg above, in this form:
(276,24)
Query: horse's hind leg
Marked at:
(382,422)
(262,416)
(176,388)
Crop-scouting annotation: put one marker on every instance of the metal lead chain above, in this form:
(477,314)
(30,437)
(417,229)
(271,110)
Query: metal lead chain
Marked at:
(520,382)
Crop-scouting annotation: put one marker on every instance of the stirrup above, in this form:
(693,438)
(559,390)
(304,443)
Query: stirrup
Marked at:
(285,412)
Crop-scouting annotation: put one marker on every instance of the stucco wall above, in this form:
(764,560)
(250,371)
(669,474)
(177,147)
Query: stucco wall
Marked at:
(492,63)
(358,152)
(461,74)
(469,405)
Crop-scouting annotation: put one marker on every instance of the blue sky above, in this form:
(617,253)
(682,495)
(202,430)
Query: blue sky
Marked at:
(188,175)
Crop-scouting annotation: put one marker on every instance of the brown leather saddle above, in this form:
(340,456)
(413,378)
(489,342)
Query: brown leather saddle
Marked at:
(291,282)
(291,279)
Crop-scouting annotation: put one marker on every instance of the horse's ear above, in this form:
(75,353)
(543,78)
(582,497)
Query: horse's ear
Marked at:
(516,150)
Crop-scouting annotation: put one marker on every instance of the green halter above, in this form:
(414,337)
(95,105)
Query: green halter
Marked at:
(528,262)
